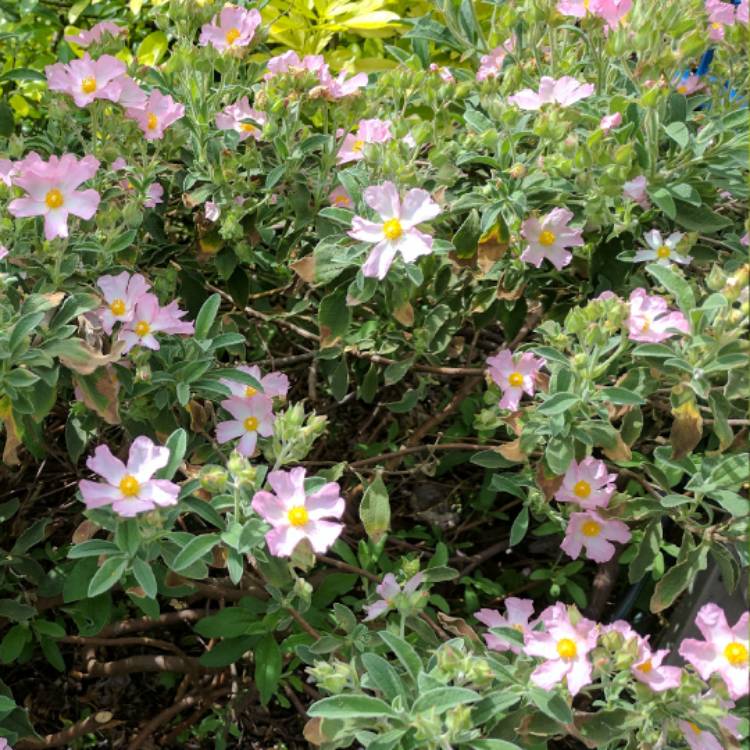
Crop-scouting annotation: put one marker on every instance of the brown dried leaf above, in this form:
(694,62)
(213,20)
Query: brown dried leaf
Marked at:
(198,416)
(305,268)
(621,451)
(84,359)
(489,252)
(84,531)
(404,315)
(548,485)
(512,451)
(219,557)
(313,731)
(687,429)
(458,626)
(103,398)
(12,439)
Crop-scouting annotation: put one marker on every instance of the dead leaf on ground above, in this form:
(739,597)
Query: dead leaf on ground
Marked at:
(687,429)
(305,268)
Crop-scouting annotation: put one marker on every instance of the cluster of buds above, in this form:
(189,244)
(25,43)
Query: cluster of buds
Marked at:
(294,435)
(333,676)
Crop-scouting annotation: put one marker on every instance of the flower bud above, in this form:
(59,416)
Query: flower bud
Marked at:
(518,171)
(213,478)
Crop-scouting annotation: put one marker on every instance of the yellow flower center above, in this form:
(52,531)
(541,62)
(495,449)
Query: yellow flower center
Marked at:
(646,325)
(129,485)
(250,392)
(358,146)
(716,25)
(117,307)
(392,229)
(682,89)
(663,252)
(591,528)
(515,379)
(248,127)
(736,654)
(586,4)
(152,121)
(342,200)
(54,198)
(232,35)
(547,238)
(567,648)
(298,516)
(695,727)
(250,424)
(646,667)
(88,85)
(141,328)
(582,489)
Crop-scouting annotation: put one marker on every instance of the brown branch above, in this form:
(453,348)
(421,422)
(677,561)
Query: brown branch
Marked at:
(417,449)
(99,722)
(144,663)
(168,714)
(303,623)
(167,620)
(82,640)
(476,560)
(334,563)
(604,581)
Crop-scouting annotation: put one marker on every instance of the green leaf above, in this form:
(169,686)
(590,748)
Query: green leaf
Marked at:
(621,396)
(334,317)
(404,653)
(675,284)
(375,509)
(520,527)
(16,611)
(699,218)
(267,667)
(152,48)
(648,549)
(194,550)
(145,577)
(490,460)
(558,403)
(228,651)
(230,623)
(206,316)
(177,444)
(23,74)
(679,133)
(108,575)
(13,643)
(351,707)
(551,704)
(442,698)
(677,579)
(93,548)
(23,327)
(491,744)
(383,676)
(664,200)
(467,236)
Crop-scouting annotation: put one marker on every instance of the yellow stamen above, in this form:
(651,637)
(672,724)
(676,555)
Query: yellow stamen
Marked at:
(515,379)
(736,654)
(117,307)
(88,85)
(152,121)
(248,127)
(298,516)
(646,667)
(547,238)
(663,252)
(232,36)
(54,198)
(358,146)
(342,200)
(591,528)
(694,727)
(567,648)
(582,489)
(392,229)
(682,89)
(250,424)
(142,328)
(250,392)
(129,485)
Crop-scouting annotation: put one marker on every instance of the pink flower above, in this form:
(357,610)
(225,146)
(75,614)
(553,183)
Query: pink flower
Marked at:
(565,91)
(235,117)
(7,171)
(252,417)
(159,111)
(491,65)
(576,8)
(724,650)
(86,79)
(588,530)
(745,239)
(118,164)
(720,12)
(662,251)
(339,197)
(651,321)
(397,232)
(716,31)
(289,62)
(129,489)
(296,515)
(211,211)
(95,33)
(443,72)
(232,28)
(368,131)
(688,84)
(3,251)
(90,36)
(564,646)
(51,190)
(389,589)
(341,86)
(697,738)
(635,190)
(587,483)
(148,319)
(610,122)
(612,11)
(649,670)
(549,238)
(121,294)
(275,384)
(515,375)
(517,615)
(154,195)
(131,95)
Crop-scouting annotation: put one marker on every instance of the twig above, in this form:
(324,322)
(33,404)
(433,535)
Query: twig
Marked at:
(83,640)
(139,624)
(417,449)
(303,623)
(477,560)
(604,581)
(334,563)
(295,701)
(99,722)
(144,663)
